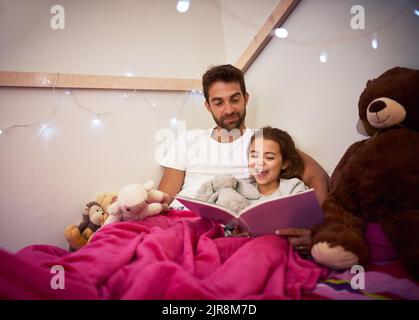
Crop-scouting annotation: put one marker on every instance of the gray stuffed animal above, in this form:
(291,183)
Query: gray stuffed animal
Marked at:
(229,192)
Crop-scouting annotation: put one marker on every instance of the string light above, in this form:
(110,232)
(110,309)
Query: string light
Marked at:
(183,5)
(41,122)
(45,124)
(359,34)
(417,12)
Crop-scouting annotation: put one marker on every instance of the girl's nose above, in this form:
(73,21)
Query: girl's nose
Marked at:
(259,161)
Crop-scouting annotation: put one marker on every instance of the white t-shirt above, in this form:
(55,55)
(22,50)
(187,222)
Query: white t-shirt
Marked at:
(202,158)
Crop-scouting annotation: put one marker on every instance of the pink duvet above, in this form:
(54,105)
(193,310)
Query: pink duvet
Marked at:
(172,256)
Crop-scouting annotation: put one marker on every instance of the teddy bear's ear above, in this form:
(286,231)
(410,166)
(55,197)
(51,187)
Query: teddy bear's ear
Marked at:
(149,185)
(113,208)
(205,191)
(247,190)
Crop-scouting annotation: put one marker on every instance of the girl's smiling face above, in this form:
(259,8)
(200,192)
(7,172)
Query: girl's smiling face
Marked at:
(265,164)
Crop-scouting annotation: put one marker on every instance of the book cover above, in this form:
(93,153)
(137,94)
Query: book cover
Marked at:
(301,210)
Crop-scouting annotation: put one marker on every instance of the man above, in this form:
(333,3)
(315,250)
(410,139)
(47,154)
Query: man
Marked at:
(226,99)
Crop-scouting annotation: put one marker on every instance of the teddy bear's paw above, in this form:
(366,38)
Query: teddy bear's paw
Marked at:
(155,208)
(155,196)
(70,231)
(74,237)
(111,219)
(333,257)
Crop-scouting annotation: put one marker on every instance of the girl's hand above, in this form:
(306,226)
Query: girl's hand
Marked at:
(299,238)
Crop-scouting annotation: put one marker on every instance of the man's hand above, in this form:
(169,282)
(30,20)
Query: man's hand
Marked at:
(299,238)
(315,177)
(171,183)
(238,233)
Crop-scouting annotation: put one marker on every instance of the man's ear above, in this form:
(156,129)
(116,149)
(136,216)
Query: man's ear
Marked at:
(246,98)
(207,106)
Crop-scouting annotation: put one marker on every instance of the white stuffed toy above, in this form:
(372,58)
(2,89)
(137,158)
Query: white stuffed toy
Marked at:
(136,202)
(229,192)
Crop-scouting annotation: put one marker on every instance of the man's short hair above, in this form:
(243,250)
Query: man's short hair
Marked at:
(224,73)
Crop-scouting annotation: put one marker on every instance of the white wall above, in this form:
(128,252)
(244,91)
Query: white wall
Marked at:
(242,19)
(47,178)
(143,37)
(315,102)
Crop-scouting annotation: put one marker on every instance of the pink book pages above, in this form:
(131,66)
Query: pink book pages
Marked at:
(300,210)
(209,211)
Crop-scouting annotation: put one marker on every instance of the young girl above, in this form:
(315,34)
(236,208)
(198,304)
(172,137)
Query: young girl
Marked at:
(275,165)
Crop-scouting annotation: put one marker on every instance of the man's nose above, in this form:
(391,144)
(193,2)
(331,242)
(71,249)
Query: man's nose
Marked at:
(228,108)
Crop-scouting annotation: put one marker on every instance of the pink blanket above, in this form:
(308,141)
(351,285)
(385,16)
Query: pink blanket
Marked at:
(173,256)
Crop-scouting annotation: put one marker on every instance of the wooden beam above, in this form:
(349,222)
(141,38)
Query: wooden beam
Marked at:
(261,39)
(83,81)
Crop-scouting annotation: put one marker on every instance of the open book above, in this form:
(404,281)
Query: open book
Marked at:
(301,210)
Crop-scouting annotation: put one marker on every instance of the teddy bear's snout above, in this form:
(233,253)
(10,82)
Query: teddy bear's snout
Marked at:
(377,106)
(385,112)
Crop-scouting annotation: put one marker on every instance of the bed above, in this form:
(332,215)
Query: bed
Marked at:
(180,256)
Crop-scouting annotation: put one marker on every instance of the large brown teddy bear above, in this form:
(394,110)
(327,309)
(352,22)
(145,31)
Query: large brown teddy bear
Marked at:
(377,180)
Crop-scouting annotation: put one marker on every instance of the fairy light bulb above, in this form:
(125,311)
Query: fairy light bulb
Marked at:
(183,5)
(1,131)
(281,33)
(417,12)
(96,122)
(374,42)
(323,57)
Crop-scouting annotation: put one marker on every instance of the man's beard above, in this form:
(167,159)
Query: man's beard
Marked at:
(235,125)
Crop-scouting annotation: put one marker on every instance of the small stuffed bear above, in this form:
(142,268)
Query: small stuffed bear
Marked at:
(93,219)
(377,179)
(229,192)
(136,202)
(105,199)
